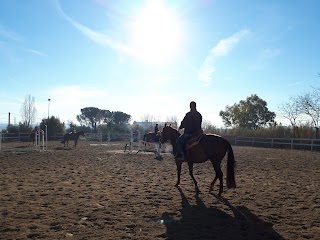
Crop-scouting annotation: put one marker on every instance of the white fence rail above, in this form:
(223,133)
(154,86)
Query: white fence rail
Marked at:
(293,143)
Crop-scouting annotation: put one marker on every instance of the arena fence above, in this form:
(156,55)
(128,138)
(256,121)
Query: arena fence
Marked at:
(292,143)
(134,138)
(40,141)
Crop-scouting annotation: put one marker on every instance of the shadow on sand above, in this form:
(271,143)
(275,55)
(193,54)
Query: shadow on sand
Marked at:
(201,222)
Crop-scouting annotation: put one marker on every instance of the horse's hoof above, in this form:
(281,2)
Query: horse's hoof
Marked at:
(177,185)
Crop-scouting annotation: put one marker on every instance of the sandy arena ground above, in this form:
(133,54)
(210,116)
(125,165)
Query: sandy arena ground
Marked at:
(94,192)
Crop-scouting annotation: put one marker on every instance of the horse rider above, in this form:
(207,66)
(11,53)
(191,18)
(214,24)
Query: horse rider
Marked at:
(156,130)
(36,129)
(191,123)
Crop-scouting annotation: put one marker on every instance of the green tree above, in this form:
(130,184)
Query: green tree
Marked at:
(251,113)
(75,127)
(54,126)
(22,128)
(106,116)
(120,118)
(90,116)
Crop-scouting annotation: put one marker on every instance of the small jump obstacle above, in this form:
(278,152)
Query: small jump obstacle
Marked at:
(39,136)
(129,146)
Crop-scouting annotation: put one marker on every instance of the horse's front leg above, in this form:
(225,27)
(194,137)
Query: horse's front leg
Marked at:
(178,163)
(190,165)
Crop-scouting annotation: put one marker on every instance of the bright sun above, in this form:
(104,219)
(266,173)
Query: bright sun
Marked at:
(156,34)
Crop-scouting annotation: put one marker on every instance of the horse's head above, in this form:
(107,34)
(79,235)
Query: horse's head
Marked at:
(167,133)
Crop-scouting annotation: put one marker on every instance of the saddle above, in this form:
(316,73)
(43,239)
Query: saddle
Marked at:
(194,139)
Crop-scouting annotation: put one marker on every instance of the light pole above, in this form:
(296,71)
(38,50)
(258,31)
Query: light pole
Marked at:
(48,106)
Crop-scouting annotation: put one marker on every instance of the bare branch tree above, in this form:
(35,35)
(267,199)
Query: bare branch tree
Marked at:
(28,111)
(309,104)
(173,120)
(291,111)
(149,120)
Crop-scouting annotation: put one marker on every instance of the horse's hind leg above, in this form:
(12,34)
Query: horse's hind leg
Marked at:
(219,175)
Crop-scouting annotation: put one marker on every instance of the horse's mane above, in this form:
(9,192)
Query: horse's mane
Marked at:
(170,126)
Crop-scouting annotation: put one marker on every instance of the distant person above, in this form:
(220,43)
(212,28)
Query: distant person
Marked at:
(190,123)
(36,129)
(155,133)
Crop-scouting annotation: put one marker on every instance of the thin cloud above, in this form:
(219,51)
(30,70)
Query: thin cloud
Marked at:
(265,57)
(293,84)
(35,52)
(96,36)
(7,52)
(17,83)
(8,33)
(223,48)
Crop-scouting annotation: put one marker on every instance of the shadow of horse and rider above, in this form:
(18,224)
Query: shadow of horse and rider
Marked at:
(209,222)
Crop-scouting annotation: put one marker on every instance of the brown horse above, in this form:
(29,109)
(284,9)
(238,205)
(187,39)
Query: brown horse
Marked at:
(210,147)
(32,137)
(150,137)
(72,136)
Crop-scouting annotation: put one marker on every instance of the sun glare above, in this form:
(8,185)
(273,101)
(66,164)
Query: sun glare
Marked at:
(156,34)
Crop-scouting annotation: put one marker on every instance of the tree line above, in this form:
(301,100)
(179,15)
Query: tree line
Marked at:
(249,114)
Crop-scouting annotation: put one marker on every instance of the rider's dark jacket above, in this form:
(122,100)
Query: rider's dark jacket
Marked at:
(191,122)
(156,130)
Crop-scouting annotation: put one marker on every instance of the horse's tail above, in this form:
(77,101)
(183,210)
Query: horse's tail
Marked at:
(144,137)
(231,164)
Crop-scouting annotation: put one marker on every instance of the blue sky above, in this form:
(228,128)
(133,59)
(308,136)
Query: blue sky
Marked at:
(151,58)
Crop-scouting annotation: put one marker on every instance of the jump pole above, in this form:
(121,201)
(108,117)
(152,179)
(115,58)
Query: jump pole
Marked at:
(131,140)
(46,136)
(36,139)
(39,135)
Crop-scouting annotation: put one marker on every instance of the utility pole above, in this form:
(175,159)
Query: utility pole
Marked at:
(48,107)
(9,120)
